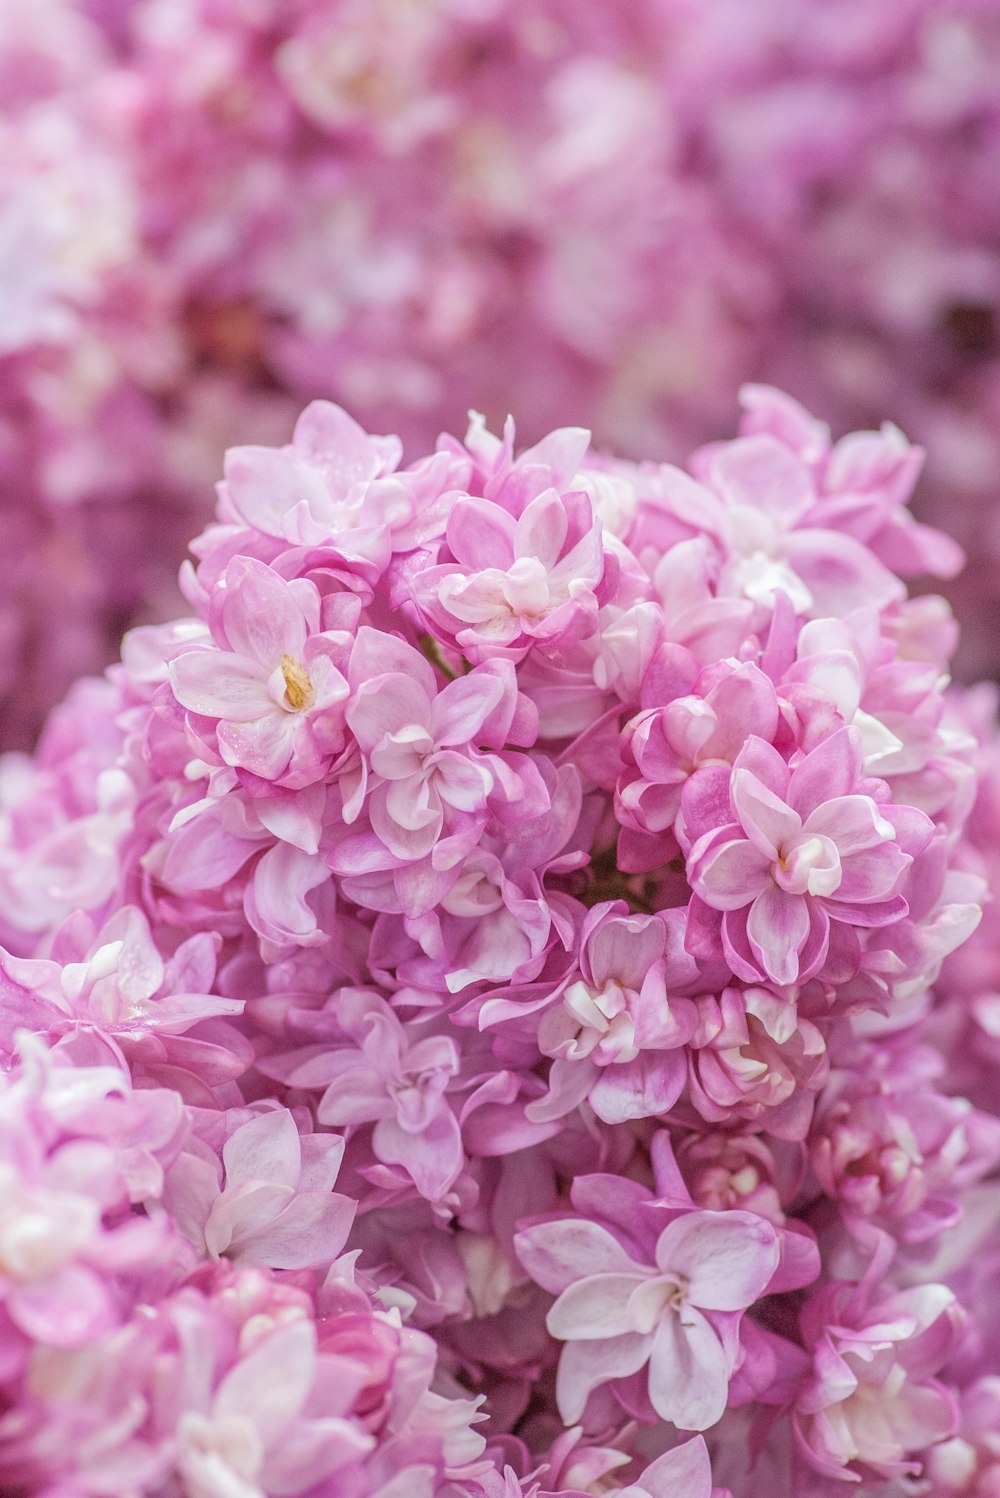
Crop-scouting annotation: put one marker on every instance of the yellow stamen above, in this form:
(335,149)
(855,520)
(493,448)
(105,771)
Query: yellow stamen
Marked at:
(298,687)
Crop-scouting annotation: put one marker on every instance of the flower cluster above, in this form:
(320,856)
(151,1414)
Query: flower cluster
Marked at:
(483,998)
(212,211)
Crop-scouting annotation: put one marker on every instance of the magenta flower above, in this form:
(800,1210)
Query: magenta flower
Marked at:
(678,1315)
(498,830)
(271,682)
(330,482)
(805,848)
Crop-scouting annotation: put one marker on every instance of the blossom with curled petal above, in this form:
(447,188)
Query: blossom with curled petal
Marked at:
(805,847)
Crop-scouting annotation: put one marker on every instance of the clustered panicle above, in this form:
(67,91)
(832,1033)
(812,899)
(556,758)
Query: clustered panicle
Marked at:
(492,1002)
(212,211)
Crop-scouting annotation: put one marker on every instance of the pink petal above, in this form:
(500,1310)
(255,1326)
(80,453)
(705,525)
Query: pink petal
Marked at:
(743,703)
(777,928)
(767,821)
(276,901)
(584,1366)
(727,1258)
(460,782)
(263,746)
(433,1158)
(685,1472)
(386,705)
(853,822)
(65,1309)
(594,1307)
(190,1191)
(542,529)
(261,614)
(462,707)
(216,684)
(310,1232)
(356,1096)
(266,1149)
(376,653)
(328,437)
(644,1088)
(688,1371)
(840,573)
(557,1254)
(874,875)
(271,1384)
(730,874)
(764,474)
(480,534)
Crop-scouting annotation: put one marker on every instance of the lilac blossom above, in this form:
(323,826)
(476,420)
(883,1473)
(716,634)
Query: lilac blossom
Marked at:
(579,1018)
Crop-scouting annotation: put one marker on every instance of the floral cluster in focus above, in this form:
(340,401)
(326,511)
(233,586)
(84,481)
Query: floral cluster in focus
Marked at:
(491,1001)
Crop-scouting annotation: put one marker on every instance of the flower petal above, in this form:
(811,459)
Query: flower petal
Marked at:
(557,1254)
(688,1371)
(729,875)
(778,928)
(727,1258)
(265,1149)
(584,1366)
(594,1308)
(766,819)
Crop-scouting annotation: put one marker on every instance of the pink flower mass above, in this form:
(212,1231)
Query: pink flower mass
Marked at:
(499,999)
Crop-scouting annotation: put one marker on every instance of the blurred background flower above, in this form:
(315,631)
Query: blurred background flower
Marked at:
(213,210)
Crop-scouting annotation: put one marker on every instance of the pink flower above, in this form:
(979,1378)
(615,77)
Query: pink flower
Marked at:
(271,682)
(755,1057)
(116,979)
(399,1084)
(686,1469)
(871,1404)
(804,848)
(537,579)
(680,1315)
(615,1037)
(269,1202)
(426,780)
(330,485)
(665,745)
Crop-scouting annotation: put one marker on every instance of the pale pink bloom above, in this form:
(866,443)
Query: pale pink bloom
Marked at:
(269,1201)
(617,1315)
(872,1404)
(399,1084)
(537,578)
(328,486)
(757,500)
(426,779)
(271,682)
(755,1057)
(77,1149)
(116,980)
(891,1149)
(615,1037)
(805,848)
(663,746)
